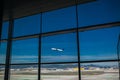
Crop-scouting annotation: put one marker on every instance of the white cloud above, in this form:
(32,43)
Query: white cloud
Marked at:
(59,58)
(98,57)
(24,57)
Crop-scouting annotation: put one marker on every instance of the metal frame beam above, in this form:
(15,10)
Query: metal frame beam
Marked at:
(80,29)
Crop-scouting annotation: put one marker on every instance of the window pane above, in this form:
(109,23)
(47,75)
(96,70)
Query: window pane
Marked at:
(25,51)
(100,71)
(59,48)
(119,46)
(99,12)
(24,72)
(27,26)
(3,48)
(5,27)
(2,70)
(59,72)
(59,19)
(99,44)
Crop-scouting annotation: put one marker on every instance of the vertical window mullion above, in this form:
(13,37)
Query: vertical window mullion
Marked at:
(1,17)
(9,42)
(118,53)
(77,40)
(39,49)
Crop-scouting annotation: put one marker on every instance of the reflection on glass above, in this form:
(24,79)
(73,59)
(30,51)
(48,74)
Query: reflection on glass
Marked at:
(59,19)
(3,48)
(27,26)
(99,44)
(5,27)
(24,72)
(99,12)
(59,72)
(2,70)
(119,46)
(100,71)
(25,51)
(59,48)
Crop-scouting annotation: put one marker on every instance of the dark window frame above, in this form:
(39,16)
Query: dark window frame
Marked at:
(76,30)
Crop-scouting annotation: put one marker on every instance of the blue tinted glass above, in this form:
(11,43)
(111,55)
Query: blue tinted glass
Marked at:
(3,48)
(119,46)
(24,72)
(100,71)
(99,12)
(99,44)
(25,51)
(27,26)
(5,27)
(59,48)
(59,19)
(59,72)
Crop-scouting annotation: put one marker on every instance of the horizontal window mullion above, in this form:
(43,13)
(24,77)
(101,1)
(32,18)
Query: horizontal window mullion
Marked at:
(81,29)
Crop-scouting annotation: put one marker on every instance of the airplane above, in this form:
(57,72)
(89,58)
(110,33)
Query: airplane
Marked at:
(57,49)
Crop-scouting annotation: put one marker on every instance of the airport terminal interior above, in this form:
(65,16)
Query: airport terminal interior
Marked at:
(60,40)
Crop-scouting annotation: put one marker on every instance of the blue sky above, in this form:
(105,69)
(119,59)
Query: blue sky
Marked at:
(99,12)
(94,45)
(99,44)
